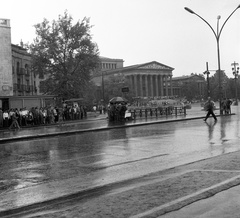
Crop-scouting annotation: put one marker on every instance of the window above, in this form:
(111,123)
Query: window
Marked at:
(18,67)
(26,69)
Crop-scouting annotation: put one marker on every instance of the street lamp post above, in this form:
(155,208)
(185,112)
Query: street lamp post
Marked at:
(217,36)
(235,73)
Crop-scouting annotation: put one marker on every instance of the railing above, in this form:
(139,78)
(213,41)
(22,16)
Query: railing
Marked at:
(22,87)
(159,111)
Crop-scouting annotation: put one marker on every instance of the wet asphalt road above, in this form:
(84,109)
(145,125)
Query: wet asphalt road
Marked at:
(85,160)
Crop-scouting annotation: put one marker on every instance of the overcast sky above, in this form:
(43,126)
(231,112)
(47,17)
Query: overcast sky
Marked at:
(140,31)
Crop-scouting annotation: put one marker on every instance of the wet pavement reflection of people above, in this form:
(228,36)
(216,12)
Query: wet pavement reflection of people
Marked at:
(210,129)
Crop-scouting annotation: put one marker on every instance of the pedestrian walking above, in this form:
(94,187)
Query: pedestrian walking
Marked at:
(209,107)
(14,123)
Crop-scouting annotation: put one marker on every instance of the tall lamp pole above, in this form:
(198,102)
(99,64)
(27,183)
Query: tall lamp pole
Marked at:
(217,36)
(235,73)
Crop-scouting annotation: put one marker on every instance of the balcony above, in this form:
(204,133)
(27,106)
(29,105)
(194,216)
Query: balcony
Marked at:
(23,88)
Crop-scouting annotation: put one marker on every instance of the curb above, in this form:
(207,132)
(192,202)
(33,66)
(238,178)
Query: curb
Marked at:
(44,135)
(78,194)
(184,201)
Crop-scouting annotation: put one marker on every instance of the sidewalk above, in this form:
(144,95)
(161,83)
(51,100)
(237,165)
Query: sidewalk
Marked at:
(214,168)
(91,123)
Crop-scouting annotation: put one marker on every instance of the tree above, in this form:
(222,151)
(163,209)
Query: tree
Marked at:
(190,88)
(214,85)
(64,53)
(113,88)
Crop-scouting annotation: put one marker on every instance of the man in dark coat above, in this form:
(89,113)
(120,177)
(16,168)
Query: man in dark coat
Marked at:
(209,107)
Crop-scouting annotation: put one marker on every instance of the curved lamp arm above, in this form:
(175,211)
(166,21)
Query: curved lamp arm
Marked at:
(227,20)
(192,12)
(215,34)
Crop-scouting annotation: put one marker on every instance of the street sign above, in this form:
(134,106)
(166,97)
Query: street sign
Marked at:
(125,89)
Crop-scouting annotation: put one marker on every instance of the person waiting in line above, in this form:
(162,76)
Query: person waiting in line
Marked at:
(95,110)
(1,118)
(24,116)
(209,107)
(5,119)
(228,106)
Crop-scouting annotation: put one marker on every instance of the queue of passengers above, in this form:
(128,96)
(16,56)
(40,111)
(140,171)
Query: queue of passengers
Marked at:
(40,116)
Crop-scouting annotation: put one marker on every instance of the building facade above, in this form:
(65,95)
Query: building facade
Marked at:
(6,81)
(151,79)
(180,85)
(110,64)
(19,86)
(25,82)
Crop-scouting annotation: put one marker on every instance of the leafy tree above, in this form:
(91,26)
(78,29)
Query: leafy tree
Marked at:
(214,85)
(65,55)
(190,89)
(113,88)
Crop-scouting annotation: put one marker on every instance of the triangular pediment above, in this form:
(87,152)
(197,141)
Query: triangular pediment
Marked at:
(155,66)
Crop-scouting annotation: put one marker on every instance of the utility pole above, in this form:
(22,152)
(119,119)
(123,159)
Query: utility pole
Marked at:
(207,72)
(235,73)
(103,94)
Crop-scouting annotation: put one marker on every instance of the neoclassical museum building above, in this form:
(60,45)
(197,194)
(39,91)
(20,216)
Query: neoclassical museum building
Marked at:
(151,79)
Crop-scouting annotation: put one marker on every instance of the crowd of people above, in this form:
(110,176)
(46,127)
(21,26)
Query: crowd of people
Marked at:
(116,111)
(17,118)
(226,105)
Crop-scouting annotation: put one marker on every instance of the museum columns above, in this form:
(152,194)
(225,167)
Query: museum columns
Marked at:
(146,84)
(135,84)
(141,84)
(157,85)
(161,85)
(151,85)
(166,84)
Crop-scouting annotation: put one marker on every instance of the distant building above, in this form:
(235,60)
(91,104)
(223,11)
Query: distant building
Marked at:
(151,79)
(180,82)
(110,63)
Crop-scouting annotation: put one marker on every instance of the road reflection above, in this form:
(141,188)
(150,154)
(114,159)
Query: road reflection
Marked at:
(210,129)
